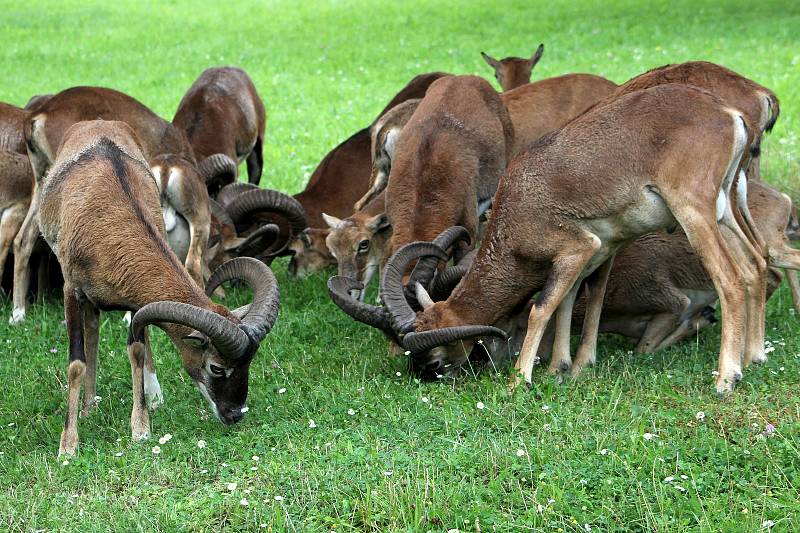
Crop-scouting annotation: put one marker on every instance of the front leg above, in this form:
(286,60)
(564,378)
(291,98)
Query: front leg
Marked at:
(152,388)
(595,294)
(561,360)
(140,417)
(75,372)
(563,275)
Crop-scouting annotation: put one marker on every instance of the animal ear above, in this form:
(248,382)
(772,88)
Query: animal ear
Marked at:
(492,62)
(537,55)
(378,223)
(196,340)
(331,221)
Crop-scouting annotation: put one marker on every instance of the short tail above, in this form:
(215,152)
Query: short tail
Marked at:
(773,111)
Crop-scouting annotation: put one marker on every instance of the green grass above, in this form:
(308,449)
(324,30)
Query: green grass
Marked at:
(413,456)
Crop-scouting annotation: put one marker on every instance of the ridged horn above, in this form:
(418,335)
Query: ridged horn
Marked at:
(229,339)
(339,288)
(232,190)
(256,242)
(420,342)
(445,281)
(264,308)
(426,267)
(401,315)
(218,170)
(248,203)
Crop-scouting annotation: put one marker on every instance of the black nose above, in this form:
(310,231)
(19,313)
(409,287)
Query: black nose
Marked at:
(231,416)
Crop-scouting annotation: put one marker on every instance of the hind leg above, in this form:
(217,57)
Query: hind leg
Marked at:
(23,248)
(690,326)
(77,367)
(91,330)
(255,162)
(140,417)
(658,328)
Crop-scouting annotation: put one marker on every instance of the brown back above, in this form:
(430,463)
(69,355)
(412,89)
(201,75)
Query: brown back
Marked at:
(547,105)
(221,112)
(12,123)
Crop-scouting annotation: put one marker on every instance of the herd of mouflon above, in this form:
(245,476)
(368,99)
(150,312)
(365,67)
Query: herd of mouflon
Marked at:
(498,224)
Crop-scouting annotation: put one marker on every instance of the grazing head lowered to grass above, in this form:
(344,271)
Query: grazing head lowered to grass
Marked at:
(513,72)
(99,211)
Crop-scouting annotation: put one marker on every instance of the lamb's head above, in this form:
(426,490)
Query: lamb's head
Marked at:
(217,345)
(309,253)
(513,72)
(358,243)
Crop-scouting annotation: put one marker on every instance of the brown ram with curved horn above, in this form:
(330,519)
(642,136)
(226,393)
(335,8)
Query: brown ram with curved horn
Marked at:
(224,120)
(100,212)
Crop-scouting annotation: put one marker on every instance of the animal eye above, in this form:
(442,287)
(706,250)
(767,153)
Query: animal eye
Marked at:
(217,370)
(363,245)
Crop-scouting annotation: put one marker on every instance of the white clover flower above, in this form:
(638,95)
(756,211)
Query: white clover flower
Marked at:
(715,373)
(480,406)
(398,374)
(587,527)
(253,468)
(700,415)
(648,436)
(583,482)
(311,423)
(669,479)
(256,458)
(156,450)
(604,451)
(224,465)
(281,390)
(425,399)
(244,409)
(684,477)
(680,488)
(65,463)
(118,454)
(545,408)
(165,439)
(201,444)
(278,498)
(243,502)
(351,412)
(767,524)
(546,427)
(231,486)
(388,473)
(520,452)
(204,471)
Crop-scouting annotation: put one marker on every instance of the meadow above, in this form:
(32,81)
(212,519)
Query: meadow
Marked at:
(339,437)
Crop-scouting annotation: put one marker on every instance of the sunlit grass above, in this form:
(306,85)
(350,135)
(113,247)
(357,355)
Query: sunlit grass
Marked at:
(388,452)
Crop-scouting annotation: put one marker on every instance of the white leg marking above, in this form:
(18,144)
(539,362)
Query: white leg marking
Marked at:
(152,390)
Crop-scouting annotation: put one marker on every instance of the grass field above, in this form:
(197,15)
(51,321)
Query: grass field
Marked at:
(339,437)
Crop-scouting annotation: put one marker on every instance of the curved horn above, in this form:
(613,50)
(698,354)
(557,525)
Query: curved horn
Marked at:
(263,310)
(256,242)
(445,281)
(419,342)
(339,288)
(229,339)
(217,171)
(218,211)
(401,315)
(423,272)
(232,190)
(268,201)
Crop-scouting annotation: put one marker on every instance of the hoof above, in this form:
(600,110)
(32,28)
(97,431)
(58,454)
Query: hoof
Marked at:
(17,316)
(140,435)
(759,358)
(725,384)
(68,446)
